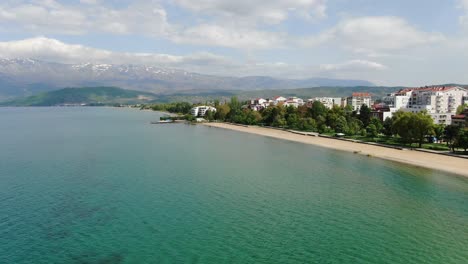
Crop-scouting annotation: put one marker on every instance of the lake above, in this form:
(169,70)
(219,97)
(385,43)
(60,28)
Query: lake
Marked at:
(103,185)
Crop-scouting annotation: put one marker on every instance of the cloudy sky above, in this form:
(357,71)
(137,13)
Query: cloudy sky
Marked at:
(398,42)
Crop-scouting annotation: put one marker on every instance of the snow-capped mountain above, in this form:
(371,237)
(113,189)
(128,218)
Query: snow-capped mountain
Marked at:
(28,76)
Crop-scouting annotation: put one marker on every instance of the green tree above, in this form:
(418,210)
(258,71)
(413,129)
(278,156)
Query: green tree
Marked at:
(292,120)
(413,127)
(252,117)
(451,133)
(308,124)
(318,109)
(365,115)
(235,113)
(210,115)
(402,125)
(377,123)
(354,126)
(222,111)
(461,108)
(461,140)
(388,127)
(439,130)
(372,130)
(340,125)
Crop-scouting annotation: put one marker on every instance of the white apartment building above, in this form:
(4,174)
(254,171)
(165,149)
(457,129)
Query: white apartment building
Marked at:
(358,99)
(201,110)
(293,101)
(328,102)
(278,99)
(439,102)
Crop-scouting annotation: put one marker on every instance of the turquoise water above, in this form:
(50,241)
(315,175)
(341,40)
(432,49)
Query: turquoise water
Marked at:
(98,185)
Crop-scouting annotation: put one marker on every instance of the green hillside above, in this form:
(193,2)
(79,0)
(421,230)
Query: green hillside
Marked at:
(88,96)
(197,96)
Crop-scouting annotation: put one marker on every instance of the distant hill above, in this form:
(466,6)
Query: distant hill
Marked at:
(23,77)
(195,96)
(113,95)
(88,95)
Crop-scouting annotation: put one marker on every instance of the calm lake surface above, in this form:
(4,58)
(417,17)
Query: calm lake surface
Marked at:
(102,185)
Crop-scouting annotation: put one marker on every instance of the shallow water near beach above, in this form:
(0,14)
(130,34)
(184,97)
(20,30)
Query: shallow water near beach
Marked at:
(103,185)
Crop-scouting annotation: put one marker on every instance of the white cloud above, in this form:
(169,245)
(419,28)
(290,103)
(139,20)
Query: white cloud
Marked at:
(52,50)
(89,2)
(45,17)
(56,51)
(353,66)
(143,18)
(264,11)
(373,35)
(463,4)
(227,36)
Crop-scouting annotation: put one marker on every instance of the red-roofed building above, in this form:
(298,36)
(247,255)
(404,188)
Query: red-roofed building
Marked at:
(461,120)
(359,99)
(440,102)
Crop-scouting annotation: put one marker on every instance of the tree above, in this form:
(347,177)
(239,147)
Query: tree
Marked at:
(401,125)
(365,115)
(235,112)
(251,117)
(461,108)
(461,140)
(221,112)
(388,127)
(421,126)
(340,125)
(308,124)
(318,109)
(372,130)
(439,131)
(451,132)
(292,121)
(354,126)
(274,115)
(210,115)
(377,123)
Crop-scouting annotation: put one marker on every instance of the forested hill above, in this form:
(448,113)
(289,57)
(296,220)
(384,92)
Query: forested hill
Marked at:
(87,95)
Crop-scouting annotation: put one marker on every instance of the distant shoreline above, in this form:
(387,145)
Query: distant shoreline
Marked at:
(448,164)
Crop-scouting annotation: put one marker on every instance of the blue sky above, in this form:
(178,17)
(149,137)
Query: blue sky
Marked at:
(399,42)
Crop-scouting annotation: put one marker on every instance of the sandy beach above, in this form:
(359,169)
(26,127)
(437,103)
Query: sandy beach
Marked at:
(443,163)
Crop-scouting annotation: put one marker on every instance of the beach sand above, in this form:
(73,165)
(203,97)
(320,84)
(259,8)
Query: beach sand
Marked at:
(443,163)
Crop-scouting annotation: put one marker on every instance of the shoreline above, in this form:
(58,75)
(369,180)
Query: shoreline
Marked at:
(447,164)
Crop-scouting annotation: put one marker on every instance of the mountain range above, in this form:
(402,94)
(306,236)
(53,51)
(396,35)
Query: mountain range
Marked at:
(22,77)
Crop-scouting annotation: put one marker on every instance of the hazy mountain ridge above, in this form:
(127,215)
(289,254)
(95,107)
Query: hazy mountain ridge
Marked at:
(20,77)
(87,95)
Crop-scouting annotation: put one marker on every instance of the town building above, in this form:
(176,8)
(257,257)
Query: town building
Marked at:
(381,111)
(461,120)
(293,101)
(359,99)
(278,99)
(259,104)
(440,102)
(201,110)
(328,102)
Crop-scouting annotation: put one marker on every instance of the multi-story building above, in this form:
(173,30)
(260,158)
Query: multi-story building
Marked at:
(328,102)
(359,99)
(293,101)
(201,110)
(278,99)
(439,102)
(259,104)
